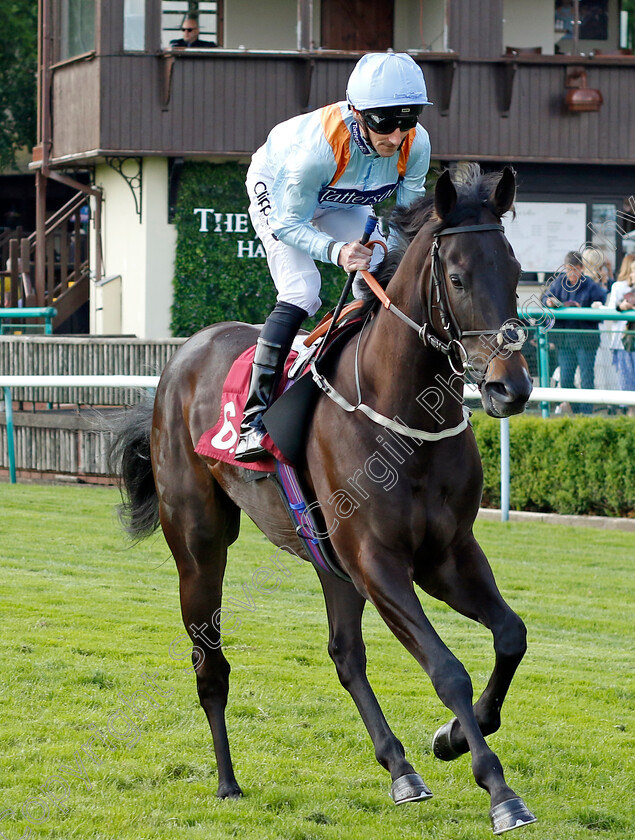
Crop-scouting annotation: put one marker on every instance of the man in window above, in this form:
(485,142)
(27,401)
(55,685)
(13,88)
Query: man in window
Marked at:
(190,33)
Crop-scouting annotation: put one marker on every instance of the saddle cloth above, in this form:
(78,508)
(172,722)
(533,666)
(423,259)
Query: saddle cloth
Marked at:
(220,441)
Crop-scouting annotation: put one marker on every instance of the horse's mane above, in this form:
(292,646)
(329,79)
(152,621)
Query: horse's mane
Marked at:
(474,189)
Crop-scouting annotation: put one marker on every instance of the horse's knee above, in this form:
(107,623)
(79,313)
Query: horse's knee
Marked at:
(510,642)
(451,682)
(212,678)
(349,660)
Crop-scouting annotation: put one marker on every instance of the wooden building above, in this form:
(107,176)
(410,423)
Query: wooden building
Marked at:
(511,82)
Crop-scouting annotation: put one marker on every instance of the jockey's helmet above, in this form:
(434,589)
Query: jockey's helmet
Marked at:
(386,80)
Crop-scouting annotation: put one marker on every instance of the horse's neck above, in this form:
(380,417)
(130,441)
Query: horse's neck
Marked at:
(399,372)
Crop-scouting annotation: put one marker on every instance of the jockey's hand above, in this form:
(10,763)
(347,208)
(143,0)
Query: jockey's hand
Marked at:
(355,257)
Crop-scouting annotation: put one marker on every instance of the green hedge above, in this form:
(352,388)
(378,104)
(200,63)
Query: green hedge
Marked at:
(211,283)
(579,465)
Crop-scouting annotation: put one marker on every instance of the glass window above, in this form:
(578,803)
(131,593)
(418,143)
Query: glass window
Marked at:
(173,12)
(77,27)
(593,21)
(134,21)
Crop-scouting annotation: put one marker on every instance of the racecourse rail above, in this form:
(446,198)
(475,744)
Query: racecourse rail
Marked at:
(571,395)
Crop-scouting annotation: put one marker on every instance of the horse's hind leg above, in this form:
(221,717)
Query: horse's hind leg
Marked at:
(200,522)
(344,606)
(466,583)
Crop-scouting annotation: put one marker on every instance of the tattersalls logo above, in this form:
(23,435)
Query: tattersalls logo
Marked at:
(237,223)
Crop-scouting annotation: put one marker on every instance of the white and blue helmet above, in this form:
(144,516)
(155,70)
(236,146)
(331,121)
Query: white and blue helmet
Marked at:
(386,80)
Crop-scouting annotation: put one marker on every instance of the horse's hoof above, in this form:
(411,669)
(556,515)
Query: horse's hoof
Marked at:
(409,788)
(442,743)
(229,791)
(510,814)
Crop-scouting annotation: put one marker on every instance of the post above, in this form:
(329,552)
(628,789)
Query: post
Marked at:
(14,274)
(543,365)
(8,413)
(305,25)
(576,27)
(504,432)
(40,238)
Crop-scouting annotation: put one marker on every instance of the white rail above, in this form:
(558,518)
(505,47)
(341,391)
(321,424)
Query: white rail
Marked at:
(570,395)
(113,381)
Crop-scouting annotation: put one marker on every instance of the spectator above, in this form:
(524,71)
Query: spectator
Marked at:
(622,344)
(190,31)
(574,288)
(597,266)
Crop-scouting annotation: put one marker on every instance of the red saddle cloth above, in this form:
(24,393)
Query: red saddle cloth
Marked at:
(220,441)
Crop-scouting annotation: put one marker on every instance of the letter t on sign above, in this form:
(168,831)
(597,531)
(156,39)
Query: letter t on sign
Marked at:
(204,211)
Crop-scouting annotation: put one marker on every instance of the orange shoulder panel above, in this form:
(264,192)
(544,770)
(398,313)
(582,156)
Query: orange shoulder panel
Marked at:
(338,137)
(404,153)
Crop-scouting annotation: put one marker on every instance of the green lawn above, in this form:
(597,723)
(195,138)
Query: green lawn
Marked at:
(85,617)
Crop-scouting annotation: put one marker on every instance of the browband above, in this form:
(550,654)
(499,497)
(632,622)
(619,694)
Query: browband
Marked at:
(469,229)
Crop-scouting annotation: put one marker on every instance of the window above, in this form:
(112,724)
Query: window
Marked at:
(134,25)
(77,27)
(593,20)
(173,11)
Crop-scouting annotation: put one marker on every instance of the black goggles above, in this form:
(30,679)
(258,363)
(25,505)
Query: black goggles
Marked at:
(381,124)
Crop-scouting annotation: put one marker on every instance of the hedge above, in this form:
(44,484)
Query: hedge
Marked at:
(578,465)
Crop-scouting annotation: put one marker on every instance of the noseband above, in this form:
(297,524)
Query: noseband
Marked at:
(509,336)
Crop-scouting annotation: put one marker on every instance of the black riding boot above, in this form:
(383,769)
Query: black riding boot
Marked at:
(272,349)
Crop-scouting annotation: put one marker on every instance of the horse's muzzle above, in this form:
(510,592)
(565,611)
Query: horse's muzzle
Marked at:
(507,388)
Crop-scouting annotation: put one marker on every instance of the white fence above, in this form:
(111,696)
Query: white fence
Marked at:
(571,395)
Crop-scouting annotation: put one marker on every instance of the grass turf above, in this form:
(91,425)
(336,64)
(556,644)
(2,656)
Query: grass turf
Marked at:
(87,620)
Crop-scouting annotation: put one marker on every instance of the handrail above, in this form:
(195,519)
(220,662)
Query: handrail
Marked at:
(48,313)
(28,312)
(61,215)
(574,313)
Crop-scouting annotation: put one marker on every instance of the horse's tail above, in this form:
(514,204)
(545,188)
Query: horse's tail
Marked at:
(129,459)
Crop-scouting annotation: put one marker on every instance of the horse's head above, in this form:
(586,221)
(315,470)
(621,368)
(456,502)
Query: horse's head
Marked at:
(471,296)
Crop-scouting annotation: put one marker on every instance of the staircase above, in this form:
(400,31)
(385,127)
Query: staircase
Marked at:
(65,281)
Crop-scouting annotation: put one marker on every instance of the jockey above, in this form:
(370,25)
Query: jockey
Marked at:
(312,186)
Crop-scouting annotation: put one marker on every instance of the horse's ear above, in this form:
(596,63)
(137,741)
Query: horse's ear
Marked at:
(505,192)
(444,195)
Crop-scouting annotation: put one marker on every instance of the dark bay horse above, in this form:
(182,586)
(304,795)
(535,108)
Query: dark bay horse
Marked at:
(452,309)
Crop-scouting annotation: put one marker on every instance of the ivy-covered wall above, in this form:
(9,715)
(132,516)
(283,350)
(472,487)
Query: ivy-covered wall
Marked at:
(220,271)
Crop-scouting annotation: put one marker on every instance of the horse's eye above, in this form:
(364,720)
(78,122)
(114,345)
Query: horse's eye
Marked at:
(456,281)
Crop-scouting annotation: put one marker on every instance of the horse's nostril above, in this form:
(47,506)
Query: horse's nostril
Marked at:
(498,391)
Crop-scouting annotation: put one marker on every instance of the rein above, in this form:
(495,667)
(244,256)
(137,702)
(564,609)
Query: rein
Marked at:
(394,425)
(509,337)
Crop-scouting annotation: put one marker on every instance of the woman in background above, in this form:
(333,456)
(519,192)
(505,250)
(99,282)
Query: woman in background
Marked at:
(622,298)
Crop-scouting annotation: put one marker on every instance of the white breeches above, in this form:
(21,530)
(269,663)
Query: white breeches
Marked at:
(295,274)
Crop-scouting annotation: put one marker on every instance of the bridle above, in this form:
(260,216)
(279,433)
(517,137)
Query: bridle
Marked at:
(509,336)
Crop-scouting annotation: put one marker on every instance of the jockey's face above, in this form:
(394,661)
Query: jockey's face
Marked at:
(386,145)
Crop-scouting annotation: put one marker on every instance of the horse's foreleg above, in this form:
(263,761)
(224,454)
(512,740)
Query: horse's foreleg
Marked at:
(466,583)
(344,606)
(389,586)
(199,523)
